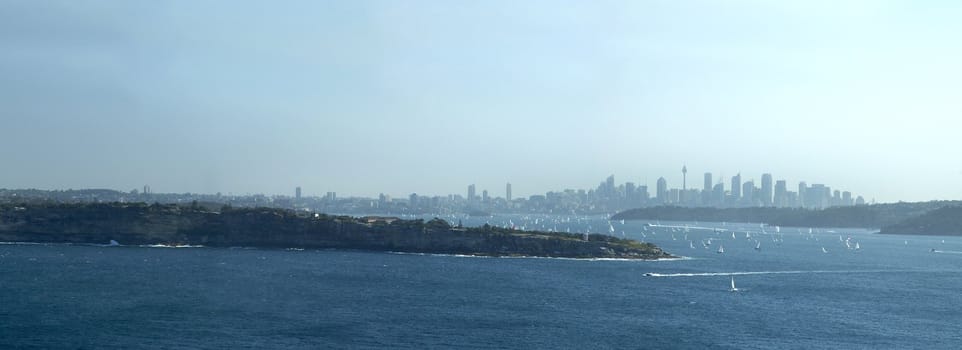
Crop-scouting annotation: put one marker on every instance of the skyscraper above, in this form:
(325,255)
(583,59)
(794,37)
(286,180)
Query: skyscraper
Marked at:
(610,185)
(706,192)
(766,193)
(297,192)
(748,192)
(507,191)
(484,196)
(737,187)
(781,194)
(471,192)
(802,195)
(662,191)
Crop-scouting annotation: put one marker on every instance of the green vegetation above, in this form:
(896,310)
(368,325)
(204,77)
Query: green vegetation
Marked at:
(197,224)
(942,221)
(865,216)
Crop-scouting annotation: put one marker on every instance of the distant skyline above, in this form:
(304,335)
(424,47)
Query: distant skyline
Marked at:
(368,97)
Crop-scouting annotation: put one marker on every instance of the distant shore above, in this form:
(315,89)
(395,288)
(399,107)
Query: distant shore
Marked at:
(906,218)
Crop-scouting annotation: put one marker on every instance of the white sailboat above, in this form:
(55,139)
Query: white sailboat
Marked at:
(721,249)
(733,285)
(758,245)
(857,247)
(823,250)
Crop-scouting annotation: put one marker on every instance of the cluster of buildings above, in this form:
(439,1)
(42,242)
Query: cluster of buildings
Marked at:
(606,198)
(769,193)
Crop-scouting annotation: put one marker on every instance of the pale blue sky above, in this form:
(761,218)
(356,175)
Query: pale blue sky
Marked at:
(363,97)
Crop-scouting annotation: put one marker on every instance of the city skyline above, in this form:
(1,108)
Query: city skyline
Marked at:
(714,194)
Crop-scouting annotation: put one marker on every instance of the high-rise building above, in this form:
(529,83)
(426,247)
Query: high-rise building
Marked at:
(507,191)
(847,198)
(802,195)
(737,187)
(610,185)
(766,192)
(297,192)
(718,193)
(780,198)
(471,193)
(748,192)
(630,194)
(484,196)
(662,191)
(706,192)
(332,196)
(413,200)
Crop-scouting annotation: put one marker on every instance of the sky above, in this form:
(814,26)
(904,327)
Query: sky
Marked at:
(367,97)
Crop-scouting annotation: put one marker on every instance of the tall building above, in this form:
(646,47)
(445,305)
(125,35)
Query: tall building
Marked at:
(484,196)
(413,200)
(507,191)
(297,192)
(662,191)
(630,192)
(471,192)
(737,187)
(766,192)
(718,193)
(780,198)
(706,192)
(847,198)
(802,195)
(610,185)
(332,196)
(748,192)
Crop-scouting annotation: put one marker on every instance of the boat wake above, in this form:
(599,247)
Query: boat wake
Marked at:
(170,246)
(946,251)
(796,272)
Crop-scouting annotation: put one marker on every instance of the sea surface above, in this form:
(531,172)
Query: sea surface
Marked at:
(894,292)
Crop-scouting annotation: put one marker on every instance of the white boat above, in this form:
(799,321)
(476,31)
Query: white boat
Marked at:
(691,244)
(733,235)
(758,245)
(823,250)
(721,249)
(733,285)
(857,247)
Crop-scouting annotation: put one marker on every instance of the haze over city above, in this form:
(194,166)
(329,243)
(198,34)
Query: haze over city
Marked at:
(367,97)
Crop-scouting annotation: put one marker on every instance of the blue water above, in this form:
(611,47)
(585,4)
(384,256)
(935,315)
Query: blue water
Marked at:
(893,293)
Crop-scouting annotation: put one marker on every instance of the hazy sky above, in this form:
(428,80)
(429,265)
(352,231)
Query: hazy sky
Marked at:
(362,97)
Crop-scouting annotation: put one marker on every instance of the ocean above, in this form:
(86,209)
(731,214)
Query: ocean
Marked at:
(894,292)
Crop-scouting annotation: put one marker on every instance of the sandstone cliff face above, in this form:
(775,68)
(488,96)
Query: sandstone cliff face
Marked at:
(157,224)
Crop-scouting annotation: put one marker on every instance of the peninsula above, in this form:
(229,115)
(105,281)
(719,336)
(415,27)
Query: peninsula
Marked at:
(169,224)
